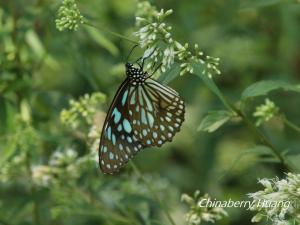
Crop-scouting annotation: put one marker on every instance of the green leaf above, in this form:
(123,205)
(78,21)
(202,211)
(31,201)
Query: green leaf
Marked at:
(170,74)
(39,50)
(259,150)
(259,3)
(35,43)
(101,40)
(214,120)
(294,161)
(198,71)
(264,87)
(2,115)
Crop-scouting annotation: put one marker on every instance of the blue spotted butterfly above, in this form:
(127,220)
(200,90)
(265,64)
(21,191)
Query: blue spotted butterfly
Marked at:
(143,113)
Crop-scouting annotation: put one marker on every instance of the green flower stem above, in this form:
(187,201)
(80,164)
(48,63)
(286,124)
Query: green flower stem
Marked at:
(260,135)
(110,32)
(231,107)
(150,188)
(290,124)
(264,140)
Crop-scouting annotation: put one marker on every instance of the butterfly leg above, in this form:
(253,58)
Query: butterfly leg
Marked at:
(155,70)
(153,65)
(147,57)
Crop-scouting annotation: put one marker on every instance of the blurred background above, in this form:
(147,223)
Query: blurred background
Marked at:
(47,171)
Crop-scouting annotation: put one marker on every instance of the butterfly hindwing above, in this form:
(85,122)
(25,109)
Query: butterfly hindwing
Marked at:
(118,144)
(156,112)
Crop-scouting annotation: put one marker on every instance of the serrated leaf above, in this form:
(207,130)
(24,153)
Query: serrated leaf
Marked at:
(214,120)
(101,40)
(264,87)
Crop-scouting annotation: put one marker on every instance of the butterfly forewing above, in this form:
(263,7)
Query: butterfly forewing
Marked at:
(117,144)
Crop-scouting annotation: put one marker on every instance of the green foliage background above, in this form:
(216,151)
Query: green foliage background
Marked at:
(41,69)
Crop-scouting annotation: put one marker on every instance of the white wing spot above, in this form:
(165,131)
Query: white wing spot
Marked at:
(129,139)
(154,134)
(168,118)
(145,132)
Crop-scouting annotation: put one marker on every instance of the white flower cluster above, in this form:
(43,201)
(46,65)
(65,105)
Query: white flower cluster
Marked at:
(278,191)
(198,213)
(82,110)
(265,112)
(15,168)
(63,165)
(155,34)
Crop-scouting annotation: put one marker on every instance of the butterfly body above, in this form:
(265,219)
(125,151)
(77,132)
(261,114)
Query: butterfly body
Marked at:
(143,113)
(135,75)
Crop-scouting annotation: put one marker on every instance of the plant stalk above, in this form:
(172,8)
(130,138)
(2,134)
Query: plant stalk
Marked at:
(110,32)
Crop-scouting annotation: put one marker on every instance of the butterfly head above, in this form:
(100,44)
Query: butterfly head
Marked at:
(135,74)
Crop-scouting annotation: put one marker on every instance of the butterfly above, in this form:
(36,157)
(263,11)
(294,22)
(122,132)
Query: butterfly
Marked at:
(143,113)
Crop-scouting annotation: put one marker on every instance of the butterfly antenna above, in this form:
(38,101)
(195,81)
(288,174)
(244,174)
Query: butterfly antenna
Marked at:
(148,56)
(131,52)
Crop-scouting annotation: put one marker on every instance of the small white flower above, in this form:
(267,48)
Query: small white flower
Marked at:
(198,213)
(41,175)
(265,112)
(284,196)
